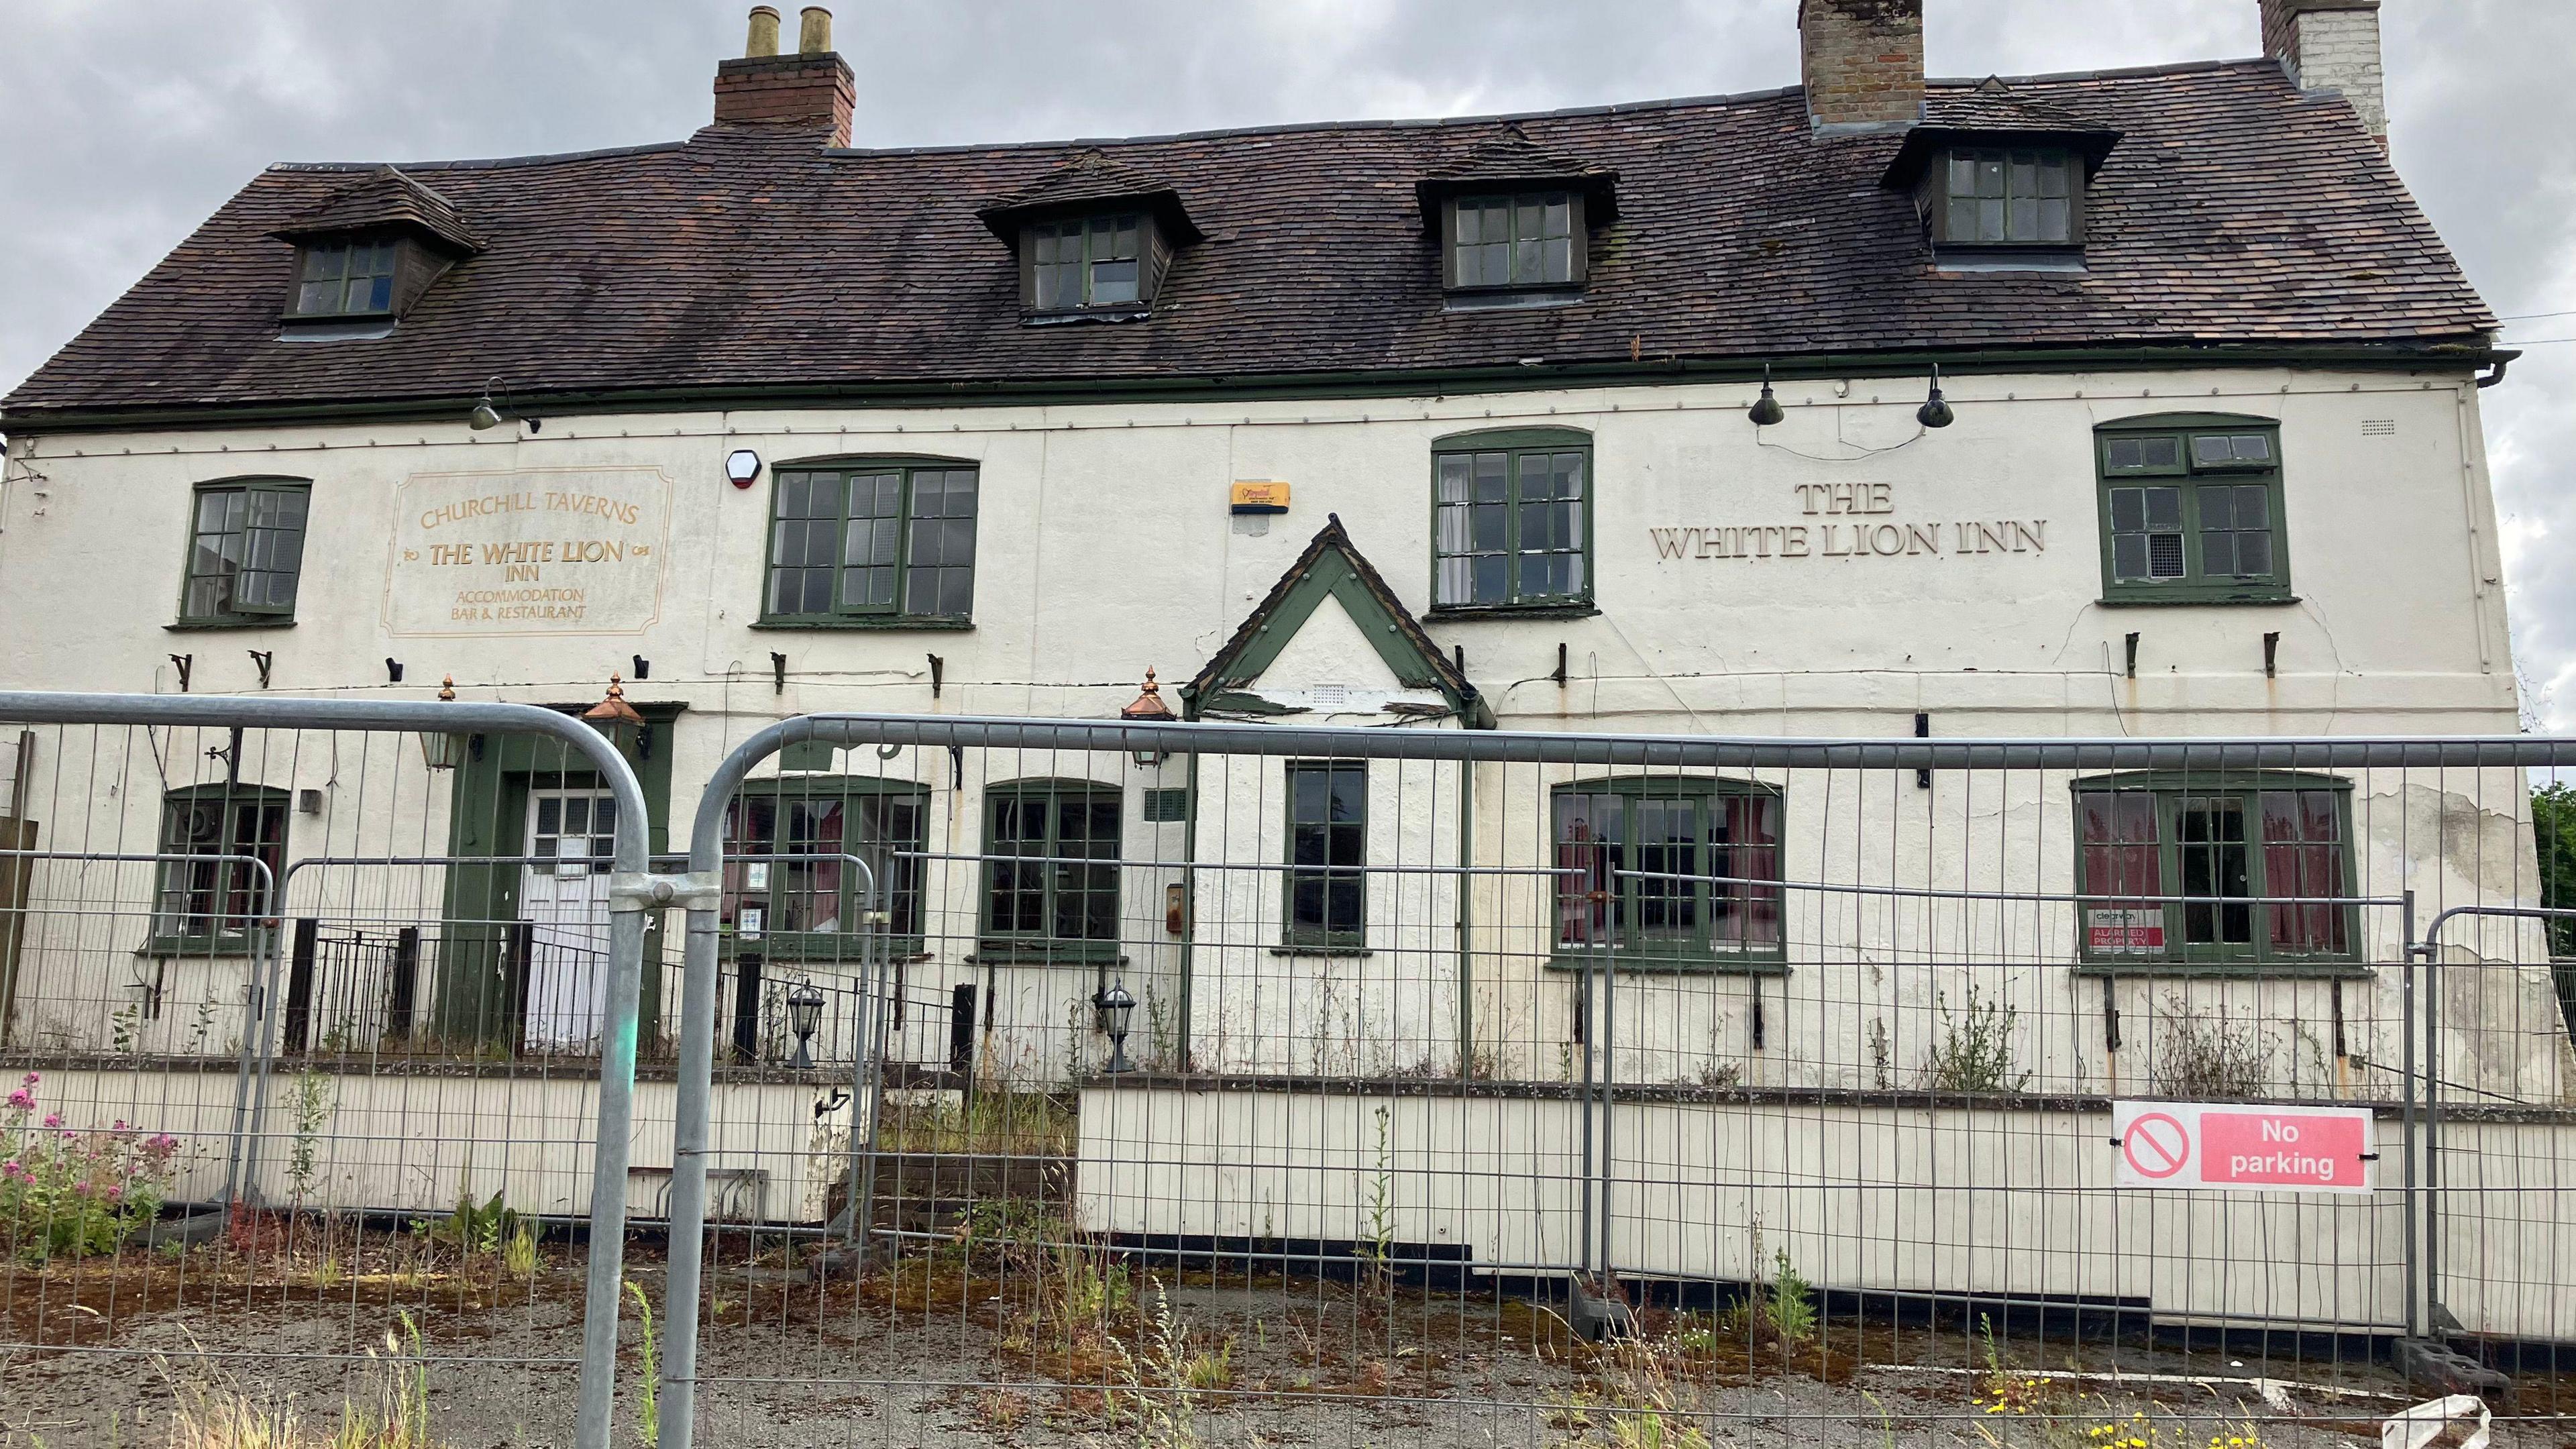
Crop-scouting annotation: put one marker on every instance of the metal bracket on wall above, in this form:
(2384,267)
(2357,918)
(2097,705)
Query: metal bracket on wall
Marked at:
(938,673)
(265,659)
(2110,1016)
(2271,652)
(185,664)
(777,672)
(2133,654)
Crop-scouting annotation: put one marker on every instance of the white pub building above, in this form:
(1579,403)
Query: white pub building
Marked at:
(2133,403)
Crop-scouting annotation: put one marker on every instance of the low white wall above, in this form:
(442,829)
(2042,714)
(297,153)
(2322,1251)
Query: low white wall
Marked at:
(416,1142)
(1992,1201)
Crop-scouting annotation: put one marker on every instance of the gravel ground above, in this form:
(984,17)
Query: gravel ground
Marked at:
(936,1363)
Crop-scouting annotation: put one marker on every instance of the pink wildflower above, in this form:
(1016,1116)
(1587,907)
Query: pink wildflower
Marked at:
(114,1192)
(13,1168)
(119,1127)
(53,1119)
(30,1079)
(22,1100)
(162,1142)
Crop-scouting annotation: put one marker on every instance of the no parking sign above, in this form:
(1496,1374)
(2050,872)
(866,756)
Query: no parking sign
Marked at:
(2243,1149)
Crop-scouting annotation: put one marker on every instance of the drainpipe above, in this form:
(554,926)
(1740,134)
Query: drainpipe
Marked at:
(1189,897)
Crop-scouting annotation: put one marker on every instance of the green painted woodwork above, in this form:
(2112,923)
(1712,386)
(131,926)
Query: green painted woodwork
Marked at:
(487,816)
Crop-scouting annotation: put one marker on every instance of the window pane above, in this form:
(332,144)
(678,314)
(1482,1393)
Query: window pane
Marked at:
(1589,838)
(2211,450)
(2212,849)
(2128,509)
(1328,810)
(2164,507)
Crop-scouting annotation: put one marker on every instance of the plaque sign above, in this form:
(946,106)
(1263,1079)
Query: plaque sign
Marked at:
(538,551)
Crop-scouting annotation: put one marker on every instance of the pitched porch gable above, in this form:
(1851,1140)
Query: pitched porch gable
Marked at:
(1330,570)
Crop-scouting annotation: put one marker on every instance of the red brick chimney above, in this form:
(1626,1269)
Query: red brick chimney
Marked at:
(1861,62)
(2331,45)
(812,89)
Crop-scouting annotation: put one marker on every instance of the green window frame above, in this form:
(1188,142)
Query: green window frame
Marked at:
(1326,890)
(1081,262)
(1511,520)
(1050,879)
(1516,240)
(2233,835)
(218,904)
(245,550)
(2191,510)
(855,542)
(1691,827)
(822,910)
(351,277)
(2009,196)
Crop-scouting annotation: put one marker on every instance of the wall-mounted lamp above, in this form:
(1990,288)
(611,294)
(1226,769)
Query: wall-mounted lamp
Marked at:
(488,415)
(439,749)
(1117,1009)
(1148,708)
(804,1017)
(1766,408)
(1935,412)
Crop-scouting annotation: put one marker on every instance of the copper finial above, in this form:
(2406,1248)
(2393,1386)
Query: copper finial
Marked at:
(1149,705)
(447,689)
(614,709)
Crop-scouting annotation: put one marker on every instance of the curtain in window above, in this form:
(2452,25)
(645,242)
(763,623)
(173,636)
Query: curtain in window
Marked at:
(2303,856)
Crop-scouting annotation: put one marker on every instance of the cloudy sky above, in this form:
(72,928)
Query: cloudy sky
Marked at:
(123,122)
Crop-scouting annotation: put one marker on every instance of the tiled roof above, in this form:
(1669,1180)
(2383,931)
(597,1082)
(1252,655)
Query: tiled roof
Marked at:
(1090,176)
(2234,210)
(385,198)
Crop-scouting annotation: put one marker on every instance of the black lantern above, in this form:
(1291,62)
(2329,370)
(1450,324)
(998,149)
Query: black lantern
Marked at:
(1766,408)
(1935,412)
(1117,1008)
(804,1017)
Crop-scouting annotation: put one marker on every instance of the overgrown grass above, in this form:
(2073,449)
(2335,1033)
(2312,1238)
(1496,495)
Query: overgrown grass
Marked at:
(1001,1122)
(392,1413)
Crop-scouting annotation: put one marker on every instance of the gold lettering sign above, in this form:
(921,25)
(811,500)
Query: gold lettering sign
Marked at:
(545,551)
(1848,524)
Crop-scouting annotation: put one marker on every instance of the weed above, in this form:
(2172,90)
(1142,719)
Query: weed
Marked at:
(1792,1306)
(1376,1251)
(123,1026)
(203,1024)
(1160,1376)
(1882,1066)
(312,1103)
(519,1255)
(1975,1052)
(1649,1404)
(648,1391)
(2203,1058)
(473,1229)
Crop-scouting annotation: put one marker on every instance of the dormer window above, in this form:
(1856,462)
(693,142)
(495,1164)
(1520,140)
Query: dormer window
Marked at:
(1514,222)
(1999,178)
(1526,239)
(347,278)
(1090,261)
(2009,196)
(366,253)
(1094,240)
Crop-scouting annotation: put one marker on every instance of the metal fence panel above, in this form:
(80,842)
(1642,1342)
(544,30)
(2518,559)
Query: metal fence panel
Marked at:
(1544,1087)
(294,1088)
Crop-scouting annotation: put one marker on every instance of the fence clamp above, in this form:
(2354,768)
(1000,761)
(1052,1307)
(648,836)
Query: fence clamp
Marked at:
(645,891)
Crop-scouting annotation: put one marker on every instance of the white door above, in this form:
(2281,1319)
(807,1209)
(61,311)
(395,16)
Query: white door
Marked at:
(563,895)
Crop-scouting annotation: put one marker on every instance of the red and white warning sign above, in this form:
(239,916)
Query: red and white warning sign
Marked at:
(2243,1149)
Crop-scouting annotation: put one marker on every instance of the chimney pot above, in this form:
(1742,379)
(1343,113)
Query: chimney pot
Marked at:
(2331,46)
(763,39)
(1861,63)
(813,30)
